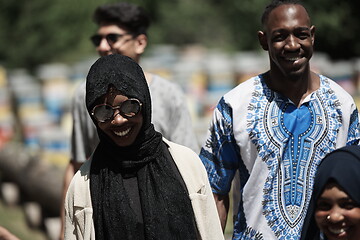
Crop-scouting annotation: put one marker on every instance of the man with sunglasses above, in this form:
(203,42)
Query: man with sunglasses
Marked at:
(123,30)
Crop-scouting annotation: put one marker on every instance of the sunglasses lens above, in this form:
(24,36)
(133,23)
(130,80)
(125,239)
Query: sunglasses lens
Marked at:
(112,38)
(96,39)
(103,113)
(130,108)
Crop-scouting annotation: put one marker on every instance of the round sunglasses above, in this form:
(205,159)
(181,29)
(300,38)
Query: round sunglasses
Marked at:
(111,38)
(127,109)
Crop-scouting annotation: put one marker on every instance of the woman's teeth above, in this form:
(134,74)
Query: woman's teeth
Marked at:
(292,59)
(337,230)
(122,133)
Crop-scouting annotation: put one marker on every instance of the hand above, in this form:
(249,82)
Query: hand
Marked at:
(6,235)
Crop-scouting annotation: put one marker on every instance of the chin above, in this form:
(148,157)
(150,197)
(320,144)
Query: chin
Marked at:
(295,75)
(124,143)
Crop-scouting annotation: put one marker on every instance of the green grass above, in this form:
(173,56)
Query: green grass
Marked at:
(13,219)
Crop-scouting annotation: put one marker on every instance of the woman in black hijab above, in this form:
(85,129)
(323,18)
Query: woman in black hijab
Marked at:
(136,185)
(334,210)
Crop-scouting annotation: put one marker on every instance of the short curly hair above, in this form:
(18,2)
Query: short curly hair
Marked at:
(274,4)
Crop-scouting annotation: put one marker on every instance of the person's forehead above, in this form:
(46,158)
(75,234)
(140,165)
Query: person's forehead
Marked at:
(335,190)
(292,14)
(113,92)
(110,95)
(111,27)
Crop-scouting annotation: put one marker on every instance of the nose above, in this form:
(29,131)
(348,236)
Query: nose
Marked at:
(117,119)
(291,43)
(335,216)
(104,45)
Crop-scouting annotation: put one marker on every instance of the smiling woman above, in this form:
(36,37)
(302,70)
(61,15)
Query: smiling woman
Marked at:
(136,185)
(335,205)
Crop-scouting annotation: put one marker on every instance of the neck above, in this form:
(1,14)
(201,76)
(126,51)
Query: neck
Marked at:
(295,88)
(148,77)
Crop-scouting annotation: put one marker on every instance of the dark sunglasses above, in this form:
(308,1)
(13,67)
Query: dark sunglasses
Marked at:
(128,109)
(111,38)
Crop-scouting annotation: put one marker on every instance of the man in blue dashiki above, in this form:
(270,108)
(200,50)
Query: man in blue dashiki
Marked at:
(275,128)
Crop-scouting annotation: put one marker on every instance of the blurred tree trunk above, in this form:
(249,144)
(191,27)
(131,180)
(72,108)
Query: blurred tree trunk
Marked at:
(37,180)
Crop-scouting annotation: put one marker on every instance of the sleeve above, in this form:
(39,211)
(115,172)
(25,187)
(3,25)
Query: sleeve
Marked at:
(202,200)
(212,220)
(220,153)
(69,225)
(79,223)
(181,130)
(354,128)
(84,136)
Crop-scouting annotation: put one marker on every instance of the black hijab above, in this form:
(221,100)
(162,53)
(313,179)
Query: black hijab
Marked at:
(166,208)
(342,166)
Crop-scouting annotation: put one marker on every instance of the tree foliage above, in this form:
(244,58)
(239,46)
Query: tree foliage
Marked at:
(337,27)
(39,31)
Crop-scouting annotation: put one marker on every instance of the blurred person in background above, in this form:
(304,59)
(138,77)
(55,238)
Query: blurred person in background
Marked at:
(334,209)
(123,30)
(136,185)
(6,235)
(275,129)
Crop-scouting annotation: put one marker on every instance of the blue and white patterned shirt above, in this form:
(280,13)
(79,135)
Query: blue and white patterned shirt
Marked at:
(276,147)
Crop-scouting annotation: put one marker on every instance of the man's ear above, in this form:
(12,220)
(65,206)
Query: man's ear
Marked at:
(312,31)
(263,40)
(141,43)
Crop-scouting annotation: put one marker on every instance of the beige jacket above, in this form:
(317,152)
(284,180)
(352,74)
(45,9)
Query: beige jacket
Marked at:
(78,209)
